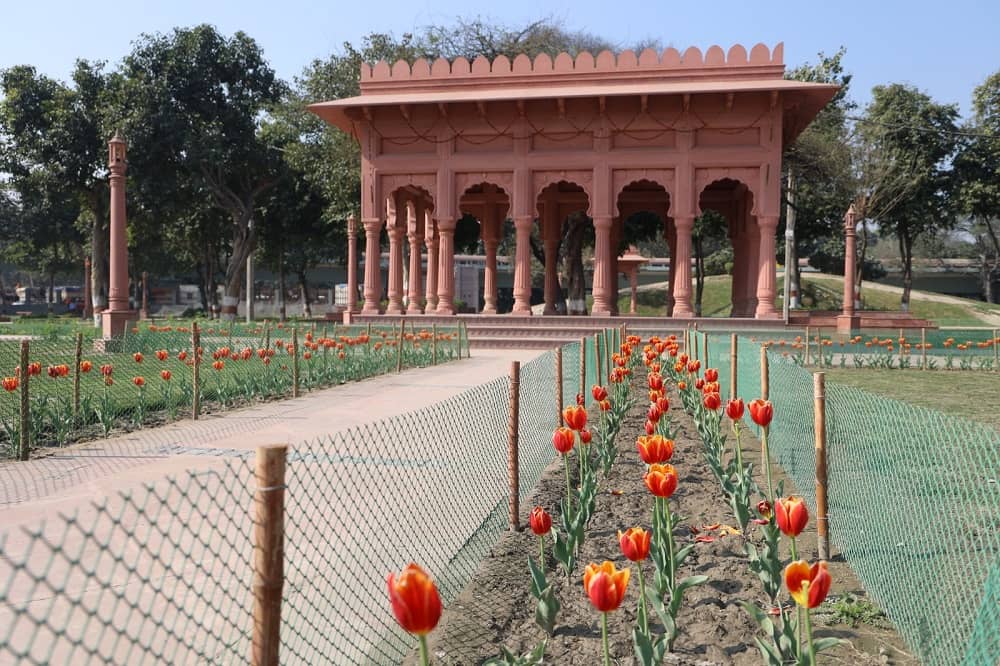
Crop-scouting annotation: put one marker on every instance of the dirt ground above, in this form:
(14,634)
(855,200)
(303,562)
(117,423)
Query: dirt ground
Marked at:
(496,608)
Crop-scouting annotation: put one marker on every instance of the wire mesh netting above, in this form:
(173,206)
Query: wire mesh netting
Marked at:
(914,501)
(86,389)
(163,574)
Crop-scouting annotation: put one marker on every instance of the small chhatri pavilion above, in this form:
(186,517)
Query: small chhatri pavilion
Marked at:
(536,140)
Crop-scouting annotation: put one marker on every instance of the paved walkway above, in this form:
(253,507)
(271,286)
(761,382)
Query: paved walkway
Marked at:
(58,483)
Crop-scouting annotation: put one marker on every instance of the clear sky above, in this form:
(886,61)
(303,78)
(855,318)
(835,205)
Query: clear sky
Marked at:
(944,48)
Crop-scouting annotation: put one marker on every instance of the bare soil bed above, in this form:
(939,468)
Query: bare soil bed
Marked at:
(496,607)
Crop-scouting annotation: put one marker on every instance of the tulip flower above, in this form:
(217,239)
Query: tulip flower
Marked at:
(681,386)
(165,374)
(563,440)
(86,366)
(219,365)
(655,382)
(138,357)
(650,427)
(808,587)
(699,383)
(655,449)
(761,411)
(663,404)
(416,604)
(712,401)
(654,413)
(764,509)
(161,354)
(734,409)
(579,399)
(605,587)
(34,369)
(106,370)
(605,405)
(585,436)
(575,417)
(10,384)
(139,381)
(661,480)
(182,356)
(711,375)
(540,521)
(599,392)
(791,515)
(634,543)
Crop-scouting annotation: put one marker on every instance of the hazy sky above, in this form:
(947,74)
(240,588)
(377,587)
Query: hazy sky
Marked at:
(945,48)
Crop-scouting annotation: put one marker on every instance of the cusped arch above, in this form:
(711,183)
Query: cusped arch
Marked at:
(583,179)
(746,176)
(401,187)
(664,178)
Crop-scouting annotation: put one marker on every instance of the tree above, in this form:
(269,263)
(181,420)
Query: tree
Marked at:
(977,176)
(709,230)
(195,101)
(908,140)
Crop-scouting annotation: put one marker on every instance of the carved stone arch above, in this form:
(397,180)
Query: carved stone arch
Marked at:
(502,179)
(747,176)
(407,185)
(582,178)
(622,178)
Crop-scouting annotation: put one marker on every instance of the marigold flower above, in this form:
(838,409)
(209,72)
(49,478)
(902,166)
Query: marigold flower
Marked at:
(605,586)
(661,480)
(599,392)
(415,600)
(712,401)
(791,515)
(711,375)
(654,449)
(634,543)
(540,521)
(10,384)
(165,374)
(138,357)
(807,585)
(575,417)
(563,440)
(734,409)
(761,411)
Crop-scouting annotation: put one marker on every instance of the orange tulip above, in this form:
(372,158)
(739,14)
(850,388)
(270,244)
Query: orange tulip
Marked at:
(761,411)
(563,440)
(711,375)
(540,521)
(10,384)
(734,409)
(219,365)
(661,480)
(139,381)
(605,586)
(654,449)
(807,585)
(585,436)
(599,392)
(681,386)
(655,382)
(605,405)
(415,600)
(575,417)
(791,515)
(161,354)
(712,401)
(165,374)
(634,543)
(86,366)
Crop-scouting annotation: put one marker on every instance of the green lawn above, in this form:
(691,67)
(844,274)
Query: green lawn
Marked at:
(964,394)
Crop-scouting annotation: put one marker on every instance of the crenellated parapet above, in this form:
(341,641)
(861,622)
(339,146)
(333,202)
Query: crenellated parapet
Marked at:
(627,66)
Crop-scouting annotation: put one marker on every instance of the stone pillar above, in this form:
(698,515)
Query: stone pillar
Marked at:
(522,265)
(446,267)
(551,275)
(767,268)
(602,287)
(352,264)
(431,242)
(848,321)
(373,268)
(116,318)
(396,233)
(617,228)
(749,287)
(671,233)
(491,240)
(737,240)
(633,283)
(681,264)
(415,231)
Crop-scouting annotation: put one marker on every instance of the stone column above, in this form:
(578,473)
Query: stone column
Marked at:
(373,267)
(396,233)
(633,283)
(766,268)
(431,242)
(682,271)
(671,234)
(414,227)
(446,267)
(550,244)
(352,264)
(491,240)
(751,242)
(848,320)
(522,265)
(617,228)
(117,317)
(602,287)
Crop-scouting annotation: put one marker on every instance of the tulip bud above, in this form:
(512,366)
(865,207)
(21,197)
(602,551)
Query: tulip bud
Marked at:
(540,521)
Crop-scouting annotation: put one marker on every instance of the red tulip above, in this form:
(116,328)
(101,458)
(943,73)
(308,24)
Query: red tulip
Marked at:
(655,382)
(34,369)
(86,366)
(654,413)
(661,480)
(650,427)
(764,509)
(10,384)
(694,366)
(599,392)
(681,386)
(807,585)
(734,409)
(585,436)
(181,356)
(711,375)
(139,381)
(761,411)
(634,543)
(699,383)
(563,440)
(540,521)
(605,405)
(219,365)
(53,371)
(161,354)
(654,449)
(575,417)
(165,374)
(106,370)
(138,357)
(712,401)
(605,586)
(579,399)
(415,600)
(791,515)
(663,404)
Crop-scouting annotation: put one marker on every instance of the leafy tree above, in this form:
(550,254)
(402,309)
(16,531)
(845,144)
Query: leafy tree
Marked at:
(708,233)
(195,101)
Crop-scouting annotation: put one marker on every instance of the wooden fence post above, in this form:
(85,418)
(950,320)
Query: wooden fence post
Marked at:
(996,351)
(559,387)
(822,520)
(733,365)
(607,341)
(597,360)
(78,357)
(399,346)
(764,380)
(704,342)
(295,362)
(195,371)
(468,347)
(808,333)
(267,334)
(583,366)
(25,427)
(434,344)
(269,555)
(368,336)
(923,348)
(513,472)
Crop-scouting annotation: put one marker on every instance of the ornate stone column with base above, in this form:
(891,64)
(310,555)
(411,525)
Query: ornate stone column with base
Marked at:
(766,268)
(118,316)
(522,266)
(373,268)
(431,241)
(396,233)
(848,321)
(603,289)
(446,267)
(682,270)
(352,264)
(415,233)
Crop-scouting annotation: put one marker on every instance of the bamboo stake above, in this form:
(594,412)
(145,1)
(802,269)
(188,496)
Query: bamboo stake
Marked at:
(807,347)
(25,443)
(923,348)
(76,378)
(295,362)
(559,387)
(733,365)
(764,379)
(399,346)
(597,359)
(583,365)
(268,562)
(434,344)
(822,520)
(195,371)
(996,351)
(513,472)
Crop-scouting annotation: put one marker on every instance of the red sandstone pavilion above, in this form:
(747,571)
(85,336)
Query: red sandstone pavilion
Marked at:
(537,140)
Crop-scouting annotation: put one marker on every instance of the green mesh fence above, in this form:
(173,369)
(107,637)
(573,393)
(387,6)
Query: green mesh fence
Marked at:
(163,575)
(146,377)
(914,503)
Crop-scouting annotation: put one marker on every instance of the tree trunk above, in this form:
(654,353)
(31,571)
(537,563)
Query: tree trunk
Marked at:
(99,240)
(792,276)
(859,269)
(244,239)
(282,313)
(699,274)
(304,295)
(576,288)
(52,291)
(906,254)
